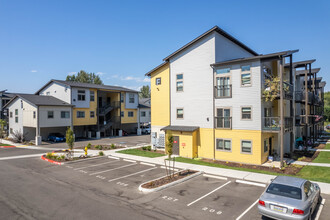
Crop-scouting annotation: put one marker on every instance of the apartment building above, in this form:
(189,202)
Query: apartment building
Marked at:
(145,111)
(209,95)
(4,99)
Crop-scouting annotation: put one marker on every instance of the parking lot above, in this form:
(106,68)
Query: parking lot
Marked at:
(205,196)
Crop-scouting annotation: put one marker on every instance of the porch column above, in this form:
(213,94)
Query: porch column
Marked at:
(281,67)
(306,103)
(38,137)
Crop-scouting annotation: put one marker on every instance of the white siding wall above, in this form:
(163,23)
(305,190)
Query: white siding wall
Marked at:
(197,97)
(80,104)
(59,91)
(57,121)
(28,120)
(131,105)
(227,50)
(244,96)
(147,117)
(12,124)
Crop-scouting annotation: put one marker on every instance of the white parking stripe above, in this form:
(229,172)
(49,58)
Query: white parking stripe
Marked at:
(148,164)
(133,161)
(209,193)
(95,165)
(132,174)
(82,160)
(248,209)
(111,157)
(113,169)
(320,210)
(175,169)
(216,177)
(251,183)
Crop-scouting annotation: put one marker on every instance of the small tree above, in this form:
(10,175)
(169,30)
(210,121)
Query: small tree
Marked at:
(145,92)
(3,123)
(69,138)
(169,151)
(272,88)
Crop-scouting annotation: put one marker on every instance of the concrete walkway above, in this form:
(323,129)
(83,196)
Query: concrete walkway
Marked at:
(311,164)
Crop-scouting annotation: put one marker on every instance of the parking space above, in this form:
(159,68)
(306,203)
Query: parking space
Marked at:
(16,151)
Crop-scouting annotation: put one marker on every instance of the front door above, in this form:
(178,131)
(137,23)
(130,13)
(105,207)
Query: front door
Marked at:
(176,145)
(270,147)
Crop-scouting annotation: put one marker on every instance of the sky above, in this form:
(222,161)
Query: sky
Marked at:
(123,40)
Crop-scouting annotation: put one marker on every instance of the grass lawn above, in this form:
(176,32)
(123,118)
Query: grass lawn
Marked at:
(321,174)
(5,144)
(324,157)
(141,153)
(327,146)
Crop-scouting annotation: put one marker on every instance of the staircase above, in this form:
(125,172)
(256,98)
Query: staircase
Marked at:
(108,108)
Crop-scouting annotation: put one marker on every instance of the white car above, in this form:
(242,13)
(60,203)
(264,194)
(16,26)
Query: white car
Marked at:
(146,130)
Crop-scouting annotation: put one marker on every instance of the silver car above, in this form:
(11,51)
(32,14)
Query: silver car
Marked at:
(289,198)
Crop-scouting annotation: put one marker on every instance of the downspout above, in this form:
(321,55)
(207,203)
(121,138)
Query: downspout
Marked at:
(281,112)
(213,116)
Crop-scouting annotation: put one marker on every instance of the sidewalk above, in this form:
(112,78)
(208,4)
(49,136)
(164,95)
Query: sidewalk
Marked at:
(311,164)
(250,176)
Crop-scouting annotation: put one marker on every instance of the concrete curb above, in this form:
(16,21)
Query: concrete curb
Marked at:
(51,161)
(169,184)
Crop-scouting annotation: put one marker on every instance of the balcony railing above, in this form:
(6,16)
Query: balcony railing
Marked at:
(223,122)
(301,96)
(274,123)
(288,90)
(223,91)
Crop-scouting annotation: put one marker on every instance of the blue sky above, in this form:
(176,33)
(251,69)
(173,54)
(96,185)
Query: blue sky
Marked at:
(122,40)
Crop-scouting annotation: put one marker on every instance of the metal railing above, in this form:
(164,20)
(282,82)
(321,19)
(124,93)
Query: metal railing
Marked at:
(288,90)
(223,91)
(274,123)
(301,96)
(107,108)
(223,122)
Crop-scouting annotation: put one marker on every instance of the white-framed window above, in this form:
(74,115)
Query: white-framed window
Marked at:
(143,114)
(10,114)
(131,98)
(223,118)
(122,114)
(266,145)
(81,95)
(179,113)
(50,114)
(223,144)
(47,93)
(130,114)
(16,111)
(65,114)
(246,146)
(92,96)
(34,114)
(223,70)
(246,75)
(16,119)
(92,114)
(246,113)
(80,114)
(179,82)
(121,97)
(158,81)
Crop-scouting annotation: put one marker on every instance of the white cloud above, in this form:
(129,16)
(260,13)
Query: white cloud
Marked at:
(72,73)
(146,80)
(33,71)
(100,73)
(137,79)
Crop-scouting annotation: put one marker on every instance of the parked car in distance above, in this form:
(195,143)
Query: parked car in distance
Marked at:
(289,198)
(56,137)
(328,127)
(146,130)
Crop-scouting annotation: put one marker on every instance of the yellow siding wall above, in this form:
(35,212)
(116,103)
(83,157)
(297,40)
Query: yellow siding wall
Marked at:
(188,143)
(87,120)
(205,143)
(160,97)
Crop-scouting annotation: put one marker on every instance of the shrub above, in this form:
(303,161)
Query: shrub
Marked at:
(18,136)
(62,157)
(89,146)
(99,147)
(149,148)
(144,148)
(112,146)
(49,155)
(301,158)
(101,153)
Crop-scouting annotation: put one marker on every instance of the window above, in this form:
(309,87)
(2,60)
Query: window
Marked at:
(266,145)
(307,188)
(223,87)
(122,114)
(92,114)
(122,97)
(16,111)
(246,113)
(16,119)
(179,113)
(246,146)
(158,81)
(131,98)
(284,190)
(179,82)
(223,119)
(143,114)
(92,96)
(246,75)
(223,71)
(47,93)
(34,114)
(130,114)
(65,114)
(50,114)
(80,114)
(11,114)
(81,95)
(223,144)
(149,113)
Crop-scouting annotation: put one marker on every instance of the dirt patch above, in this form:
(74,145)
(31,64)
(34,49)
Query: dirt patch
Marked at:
(306,156)
(167,180)
(288,169)
(321,146)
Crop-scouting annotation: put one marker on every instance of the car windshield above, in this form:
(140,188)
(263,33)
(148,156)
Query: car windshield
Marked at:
(284,190)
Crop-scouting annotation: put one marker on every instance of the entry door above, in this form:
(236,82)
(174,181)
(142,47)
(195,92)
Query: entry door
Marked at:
(176,145)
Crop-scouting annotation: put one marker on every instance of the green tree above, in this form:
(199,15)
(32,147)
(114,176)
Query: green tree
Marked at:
(69,138)
(169,145)
(85,77)
(144,92)
(3,123)
(327,113)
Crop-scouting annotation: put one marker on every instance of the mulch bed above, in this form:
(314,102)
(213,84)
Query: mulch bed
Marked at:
(305,156)
(167,180)
(103,147)
(321,146)
(290,169)
(71,159)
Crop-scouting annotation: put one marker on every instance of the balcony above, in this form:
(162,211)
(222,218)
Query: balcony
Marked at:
(223,122)
(273,124)
(301,96)
(223,91)
(274,90)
